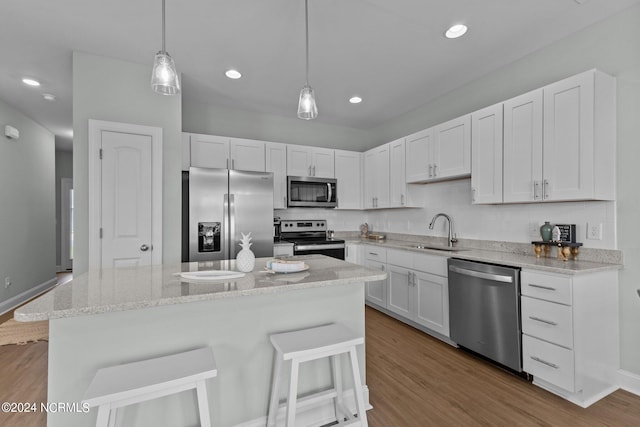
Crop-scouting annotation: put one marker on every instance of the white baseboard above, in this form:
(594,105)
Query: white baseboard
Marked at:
(313,415)
(15,301)
(629,381)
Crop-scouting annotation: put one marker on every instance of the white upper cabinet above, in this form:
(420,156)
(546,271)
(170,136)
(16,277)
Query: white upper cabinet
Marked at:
(310,161)
(376,183)
(397,179)
(247,155)
(221,152)
(419,149)
(523,148)
(276,162)
(439,153)
(209,151)
(486,155)
(452,153)
(348,170)
(559,141)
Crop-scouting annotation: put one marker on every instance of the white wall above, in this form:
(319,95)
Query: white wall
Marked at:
(27,205)
(119,91)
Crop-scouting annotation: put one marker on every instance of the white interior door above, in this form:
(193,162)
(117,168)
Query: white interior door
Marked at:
(126,207)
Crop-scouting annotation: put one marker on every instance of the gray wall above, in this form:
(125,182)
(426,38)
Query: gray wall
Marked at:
(64,169)
(27,204)
(118,91)
(208,119)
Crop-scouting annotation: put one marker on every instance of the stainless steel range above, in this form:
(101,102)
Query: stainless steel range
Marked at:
(310,237)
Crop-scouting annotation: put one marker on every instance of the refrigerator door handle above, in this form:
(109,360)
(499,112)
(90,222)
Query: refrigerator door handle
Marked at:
(232,227)
(226,227)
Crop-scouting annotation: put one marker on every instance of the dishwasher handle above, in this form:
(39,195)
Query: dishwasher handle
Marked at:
(481,275)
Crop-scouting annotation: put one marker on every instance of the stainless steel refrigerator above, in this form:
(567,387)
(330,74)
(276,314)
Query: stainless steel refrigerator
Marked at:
(218,205)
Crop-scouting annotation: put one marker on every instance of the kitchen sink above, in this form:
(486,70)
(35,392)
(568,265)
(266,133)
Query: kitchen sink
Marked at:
(438,248)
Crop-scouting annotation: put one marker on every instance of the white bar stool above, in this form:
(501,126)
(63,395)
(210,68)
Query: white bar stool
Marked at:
(311,344)
(122,385)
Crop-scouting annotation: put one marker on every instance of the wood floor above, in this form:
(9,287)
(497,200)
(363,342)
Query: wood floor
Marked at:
(414,380)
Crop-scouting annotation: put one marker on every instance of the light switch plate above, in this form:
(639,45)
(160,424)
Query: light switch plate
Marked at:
(594,231)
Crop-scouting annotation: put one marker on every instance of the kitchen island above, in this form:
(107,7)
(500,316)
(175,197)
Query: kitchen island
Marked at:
(107,317)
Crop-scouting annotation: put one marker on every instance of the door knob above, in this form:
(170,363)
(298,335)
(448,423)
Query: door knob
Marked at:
(144,248)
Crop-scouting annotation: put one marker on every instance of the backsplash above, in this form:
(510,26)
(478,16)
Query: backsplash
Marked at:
(508,223)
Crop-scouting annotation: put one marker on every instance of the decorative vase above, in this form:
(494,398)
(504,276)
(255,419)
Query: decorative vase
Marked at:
(545,231)
(246,259)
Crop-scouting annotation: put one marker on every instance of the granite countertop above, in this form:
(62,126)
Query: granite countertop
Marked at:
(112,290)
(514,255)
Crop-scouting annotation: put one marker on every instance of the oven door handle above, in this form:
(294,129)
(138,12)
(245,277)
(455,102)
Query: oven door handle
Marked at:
(317,247)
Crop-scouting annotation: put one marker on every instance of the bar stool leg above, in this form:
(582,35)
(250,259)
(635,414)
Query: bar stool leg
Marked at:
(357,388)
(112,417)
(203,404)
(275,389)
(293,394)
(336,367)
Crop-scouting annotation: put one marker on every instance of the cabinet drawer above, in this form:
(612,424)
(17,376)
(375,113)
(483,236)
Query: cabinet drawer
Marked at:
(547,320)
(548,287)
(548,362)
(375,253)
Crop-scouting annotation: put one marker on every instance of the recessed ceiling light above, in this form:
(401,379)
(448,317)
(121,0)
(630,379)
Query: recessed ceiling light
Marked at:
(30,82)
(355,100)
(49,97)
(233,74)
(456,31)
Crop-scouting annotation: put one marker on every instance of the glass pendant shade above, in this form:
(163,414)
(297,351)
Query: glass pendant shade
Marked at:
(164,77)
(307,109)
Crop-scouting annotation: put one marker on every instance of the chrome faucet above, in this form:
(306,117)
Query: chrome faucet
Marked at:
(452,236)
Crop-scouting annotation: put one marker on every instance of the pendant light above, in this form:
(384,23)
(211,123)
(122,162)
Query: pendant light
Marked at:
(164,77)
(307,109)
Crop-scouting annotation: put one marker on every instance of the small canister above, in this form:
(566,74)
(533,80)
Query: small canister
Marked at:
(330,234)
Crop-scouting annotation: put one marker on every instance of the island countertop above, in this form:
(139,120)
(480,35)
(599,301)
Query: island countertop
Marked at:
(113,290)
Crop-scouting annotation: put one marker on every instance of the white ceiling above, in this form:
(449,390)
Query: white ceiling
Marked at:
(390,52)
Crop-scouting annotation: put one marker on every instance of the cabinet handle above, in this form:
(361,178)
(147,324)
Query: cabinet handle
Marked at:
(548,322)
(402,199)
(473,194)
(233,163)
(435,173)
(545,189)
(430,170)
(546,288)
(382,267)
(536,190)
(544,362)
(373,253)
(314,170)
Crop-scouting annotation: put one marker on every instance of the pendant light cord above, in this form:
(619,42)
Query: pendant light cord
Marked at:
(163,46)
(306,25)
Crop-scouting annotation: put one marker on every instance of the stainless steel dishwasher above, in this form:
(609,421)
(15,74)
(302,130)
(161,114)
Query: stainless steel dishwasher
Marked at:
(484,310)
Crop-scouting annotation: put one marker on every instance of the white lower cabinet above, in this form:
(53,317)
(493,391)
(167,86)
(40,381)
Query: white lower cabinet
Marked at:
(353,253)
(376,292)
(418,289)
(570,333)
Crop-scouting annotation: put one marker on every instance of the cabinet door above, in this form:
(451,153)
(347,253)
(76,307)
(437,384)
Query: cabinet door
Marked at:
(349,176)
(322,163)
(397,179)
(522,163)
(432,300)
(381,176)
(486,155)
(400,291)
(353,253)
(298,160)
(208,151)
(376,292)
(419,147)
(452,153)
(276,162)
(247,155)
(369,179)
(568,138)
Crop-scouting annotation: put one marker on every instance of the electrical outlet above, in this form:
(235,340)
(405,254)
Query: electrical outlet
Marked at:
(7,282)
(594,231)
(534,229)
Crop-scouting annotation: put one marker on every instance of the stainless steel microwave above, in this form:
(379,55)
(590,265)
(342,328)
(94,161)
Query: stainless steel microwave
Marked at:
(311,192)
